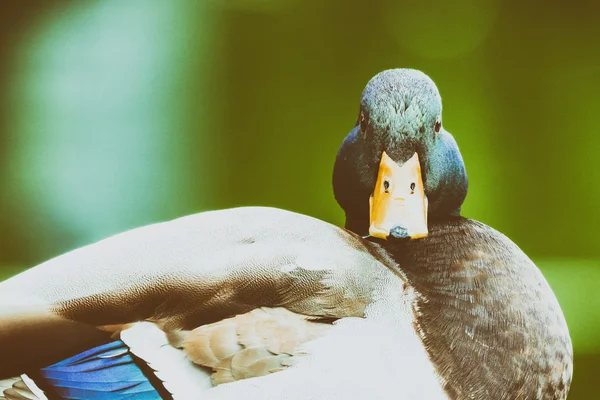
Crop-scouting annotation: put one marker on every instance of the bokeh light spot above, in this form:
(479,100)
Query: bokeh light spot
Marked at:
(441,29)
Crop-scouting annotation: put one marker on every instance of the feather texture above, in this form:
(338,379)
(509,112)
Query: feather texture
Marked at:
(179,376)
(104,372)
(20,388)
(257,343)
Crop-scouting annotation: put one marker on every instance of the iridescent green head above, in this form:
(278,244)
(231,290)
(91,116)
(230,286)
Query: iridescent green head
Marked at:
(400,115)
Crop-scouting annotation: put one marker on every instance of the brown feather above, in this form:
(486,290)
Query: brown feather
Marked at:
(260,342)
(18,390)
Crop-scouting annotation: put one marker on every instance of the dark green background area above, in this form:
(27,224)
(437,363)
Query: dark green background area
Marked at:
(116,114)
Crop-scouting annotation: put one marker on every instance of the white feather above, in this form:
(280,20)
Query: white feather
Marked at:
(178,374)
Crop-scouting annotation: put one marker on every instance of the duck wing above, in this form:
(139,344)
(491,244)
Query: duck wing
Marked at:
(238,292)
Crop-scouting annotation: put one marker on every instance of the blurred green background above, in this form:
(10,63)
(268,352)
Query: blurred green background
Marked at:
(115,114)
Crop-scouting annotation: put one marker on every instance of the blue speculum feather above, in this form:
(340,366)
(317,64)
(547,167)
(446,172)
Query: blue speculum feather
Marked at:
(104,372)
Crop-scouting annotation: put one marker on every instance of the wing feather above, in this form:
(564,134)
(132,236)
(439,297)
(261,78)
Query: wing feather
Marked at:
(249,345)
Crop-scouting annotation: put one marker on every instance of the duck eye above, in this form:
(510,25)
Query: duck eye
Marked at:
(386,185)
(363,122)
(438,126)
(412,187)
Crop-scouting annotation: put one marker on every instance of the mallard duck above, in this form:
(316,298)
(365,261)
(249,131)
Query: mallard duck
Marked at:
(485,313)
(264,303)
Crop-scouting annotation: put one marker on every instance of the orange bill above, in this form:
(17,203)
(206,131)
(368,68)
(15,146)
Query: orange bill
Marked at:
(398,206)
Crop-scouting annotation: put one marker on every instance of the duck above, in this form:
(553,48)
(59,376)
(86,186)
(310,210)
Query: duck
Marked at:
(409,300)
(484,311)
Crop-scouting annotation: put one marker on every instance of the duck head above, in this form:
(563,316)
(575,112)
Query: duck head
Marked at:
(399,169)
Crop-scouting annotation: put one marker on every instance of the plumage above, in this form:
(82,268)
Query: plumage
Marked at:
(264,303)
(106,372)
(155,281)
(20,388)
(257,343)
